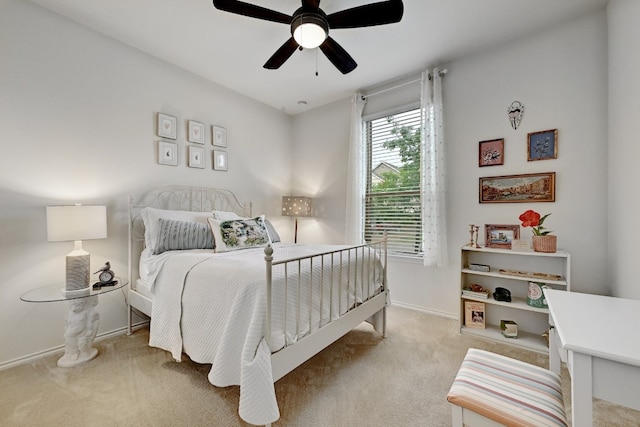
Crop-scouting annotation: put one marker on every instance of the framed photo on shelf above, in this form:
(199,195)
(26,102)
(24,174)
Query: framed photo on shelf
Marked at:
(525,188)
(167,126)
(491,152)
(500,235)
(195,132)
(220,160)
(167,153)
(196,157)
(218,136)
(474,314)
(542,145)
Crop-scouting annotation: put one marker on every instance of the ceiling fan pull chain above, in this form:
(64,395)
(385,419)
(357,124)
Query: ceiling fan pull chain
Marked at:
(316,62)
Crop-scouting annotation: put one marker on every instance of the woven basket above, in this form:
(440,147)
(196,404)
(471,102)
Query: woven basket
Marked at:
(546,243)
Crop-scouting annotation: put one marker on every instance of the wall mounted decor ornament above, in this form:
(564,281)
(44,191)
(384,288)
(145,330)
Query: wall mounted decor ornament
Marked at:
(515,112)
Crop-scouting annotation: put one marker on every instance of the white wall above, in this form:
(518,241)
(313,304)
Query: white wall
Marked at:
(77,113)
(624,150)
(560,75)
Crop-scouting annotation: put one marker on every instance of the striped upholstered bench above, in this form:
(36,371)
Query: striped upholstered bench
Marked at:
(494,390)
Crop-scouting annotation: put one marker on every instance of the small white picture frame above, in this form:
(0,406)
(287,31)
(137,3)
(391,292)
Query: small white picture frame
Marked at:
(167,126)
(196,157)
(167,153)
(195,132)
(220,162)
(218,136)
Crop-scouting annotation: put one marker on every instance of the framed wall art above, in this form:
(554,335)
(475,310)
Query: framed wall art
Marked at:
(501,235)
(218,136)
(167,126)
(196,157)
(167,153)
(525,188)
(195,132)
(542,145)
(491,152)
(220,160)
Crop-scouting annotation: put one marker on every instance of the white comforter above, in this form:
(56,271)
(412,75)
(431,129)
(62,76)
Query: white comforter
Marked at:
(212,307)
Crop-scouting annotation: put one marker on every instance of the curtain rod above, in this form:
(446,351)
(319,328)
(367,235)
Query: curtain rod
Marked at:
(442,73)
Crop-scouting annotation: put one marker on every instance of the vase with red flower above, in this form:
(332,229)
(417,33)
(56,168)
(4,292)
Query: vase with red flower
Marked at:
(542,240)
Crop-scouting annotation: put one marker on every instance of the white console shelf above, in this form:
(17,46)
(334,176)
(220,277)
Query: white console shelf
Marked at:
(513,270)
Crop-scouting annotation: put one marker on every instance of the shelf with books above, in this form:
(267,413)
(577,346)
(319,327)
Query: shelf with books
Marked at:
(519,273)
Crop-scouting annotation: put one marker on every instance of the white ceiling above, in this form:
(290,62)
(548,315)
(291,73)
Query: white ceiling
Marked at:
(230,49)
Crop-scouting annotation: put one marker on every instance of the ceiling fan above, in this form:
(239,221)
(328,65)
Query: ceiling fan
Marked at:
(310,26)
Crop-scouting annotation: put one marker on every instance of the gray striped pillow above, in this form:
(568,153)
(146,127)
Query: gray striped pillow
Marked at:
(181,235)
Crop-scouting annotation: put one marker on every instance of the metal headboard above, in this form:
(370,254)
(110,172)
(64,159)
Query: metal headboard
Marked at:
(176,197)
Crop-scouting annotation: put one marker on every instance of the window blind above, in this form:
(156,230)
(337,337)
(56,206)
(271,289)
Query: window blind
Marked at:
(392,200)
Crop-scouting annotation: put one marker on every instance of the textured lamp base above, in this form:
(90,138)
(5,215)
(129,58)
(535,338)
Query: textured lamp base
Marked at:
(77,270)
(81,327)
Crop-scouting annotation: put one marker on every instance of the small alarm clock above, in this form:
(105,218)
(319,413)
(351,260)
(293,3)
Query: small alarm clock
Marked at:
(106,276)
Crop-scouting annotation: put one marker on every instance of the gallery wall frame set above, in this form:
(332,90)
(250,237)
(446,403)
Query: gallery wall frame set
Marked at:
(501,235)
(167,127)
(523,188)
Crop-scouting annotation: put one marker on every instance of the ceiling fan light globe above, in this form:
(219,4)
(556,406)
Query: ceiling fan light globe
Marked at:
(309,35)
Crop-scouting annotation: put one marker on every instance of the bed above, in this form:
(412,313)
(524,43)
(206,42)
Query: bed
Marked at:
(220,287)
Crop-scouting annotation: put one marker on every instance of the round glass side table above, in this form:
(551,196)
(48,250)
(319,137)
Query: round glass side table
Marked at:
(82,321)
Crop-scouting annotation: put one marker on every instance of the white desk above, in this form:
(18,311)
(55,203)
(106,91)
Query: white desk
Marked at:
(599,339)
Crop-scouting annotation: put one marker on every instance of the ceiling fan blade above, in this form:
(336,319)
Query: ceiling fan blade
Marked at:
(311,4)
(282,54)
(252,11)
(384,12)
(338,56)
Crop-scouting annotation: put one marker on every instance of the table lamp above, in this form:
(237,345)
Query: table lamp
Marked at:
(76,223)
(296,206)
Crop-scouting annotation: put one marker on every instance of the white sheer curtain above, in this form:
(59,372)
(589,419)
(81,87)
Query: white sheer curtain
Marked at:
(354,233)
(434,217)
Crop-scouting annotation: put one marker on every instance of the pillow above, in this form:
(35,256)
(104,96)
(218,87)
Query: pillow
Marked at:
(273,234)
(181,235)
(225,215)
(241,233)
(150,217)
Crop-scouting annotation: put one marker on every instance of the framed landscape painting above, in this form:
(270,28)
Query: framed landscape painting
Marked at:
(501,235)
(525,188)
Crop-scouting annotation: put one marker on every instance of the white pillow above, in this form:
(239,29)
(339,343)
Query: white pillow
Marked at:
(240,233)
(151,218)
(225,215)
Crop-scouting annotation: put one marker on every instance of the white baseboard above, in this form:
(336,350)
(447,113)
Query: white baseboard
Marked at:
(424,310)
(59,349)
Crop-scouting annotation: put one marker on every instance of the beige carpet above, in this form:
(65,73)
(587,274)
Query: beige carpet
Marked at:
(361,380)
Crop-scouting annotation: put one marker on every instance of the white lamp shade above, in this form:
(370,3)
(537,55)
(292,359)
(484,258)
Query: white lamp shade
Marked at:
(296,206)
(76,222)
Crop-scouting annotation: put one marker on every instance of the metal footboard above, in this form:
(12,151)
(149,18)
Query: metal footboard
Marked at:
(322,288)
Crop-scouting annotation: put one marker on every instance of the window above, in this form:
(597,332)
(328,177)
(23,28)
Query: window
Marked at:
(392,195)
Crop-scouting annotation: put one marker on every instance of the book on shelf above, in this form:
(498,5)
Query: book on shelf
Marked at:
(472,294)
(474,314)
(479,267)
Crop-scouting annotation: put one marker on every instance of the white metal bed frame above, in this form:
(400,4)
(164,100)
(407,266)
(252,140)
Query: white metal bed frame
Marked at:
(283,361)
